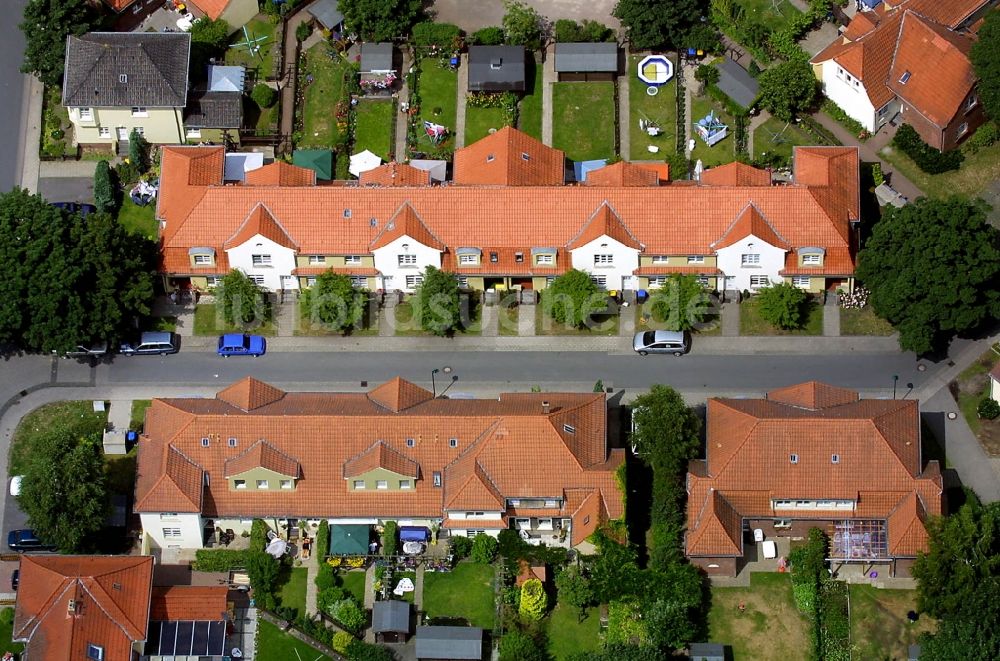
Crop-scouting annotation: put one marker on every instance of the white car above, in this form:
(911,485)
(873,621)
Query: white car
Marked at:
(15,485)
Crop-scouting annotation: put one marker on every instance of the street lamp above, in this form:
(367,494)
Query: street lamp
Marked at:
(895,378)
(447,370)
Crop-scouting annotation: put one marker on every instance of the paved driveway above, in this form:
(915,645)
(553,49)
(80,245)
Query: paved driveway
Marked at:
(471,15)
(67,189)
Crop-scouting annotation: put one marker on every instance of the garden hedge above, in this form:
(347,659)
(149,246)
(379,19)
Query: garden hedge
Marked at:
(219,560)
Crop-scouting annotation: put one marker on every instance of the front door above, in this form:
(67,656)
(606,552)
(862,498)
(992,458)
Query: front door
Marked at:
(288,282)
(123,133)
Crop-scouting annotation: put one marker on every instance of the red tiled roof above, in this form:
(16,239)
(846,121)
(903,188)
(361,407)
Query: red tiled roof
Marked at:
(344,270)
(507,263)
(211,8)
(66,603)
(670,270)
(262,222)
(406,222)
(735,174)
(623,173)
(262,455)
(381,455)
(750,447)
(281,174)
(509,158)
(836,262)
(396,174)
(604,222)
(751,221)
(249,393)
(907,530)
(492,439)
(188,602)
(119,5)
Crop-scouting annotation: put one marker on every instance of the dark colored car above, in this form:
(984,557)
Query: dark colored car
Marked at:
(76,207)
(235,344)
(152,343)
(26,540)
(15,579)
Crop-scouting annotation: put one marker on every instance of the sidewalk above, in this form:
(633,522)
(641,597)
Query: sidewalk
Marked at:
(961,447)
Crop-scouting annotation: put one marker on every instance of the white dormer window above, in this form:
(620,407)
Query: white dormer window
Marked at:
(436,479)
(569,429)
(123,78)
(490,158)
(468,259)
(87,114)
(811,258)
(969,105)
(262,484)
(696,259)
(793,458)
(202,260)
(453,443)
(525,156)
(544,259)
(352,259)
(317,260)
(835,459)
(232,441)
(205,442)
(95,652)
(410,442)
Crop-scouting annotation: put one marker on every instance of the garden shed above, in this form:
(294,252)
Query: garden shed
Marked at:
(707,652)
(391,621)
(319,161)
(445,643)
(496,68)
(376,58)
(585,61)
(736,83)
(349,539)
(327,14)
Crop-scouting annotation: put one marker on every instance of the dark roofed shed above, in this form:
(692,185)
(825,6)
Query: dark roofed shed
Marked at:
(737,84)
(449,643)
(586,61)
(496,68)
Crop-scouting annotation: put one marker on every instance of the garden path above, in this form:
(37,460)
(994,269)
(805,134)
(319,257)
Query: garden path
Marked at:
(526,320)
(756,121)
(490,320)
(403,97)
(418,588)
(463,91)
(312,571)
(548,79)
(730,319)
(831,316)
(686,72)
(291,69)
(370,586)
(624,110)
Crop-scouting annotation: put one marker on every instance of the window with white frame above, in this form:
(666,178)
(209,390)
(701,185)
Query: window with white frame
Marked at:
(168,516)
(405,484)
(310,281)
(661,259)
(801,281)
(758,281)
(381,484)
(359,281)
(549,279)
(260,260)
(600,280)
(604,260)
(86,114)
(962,128)
(171,532)
(473,533)
(256,279)
(703,280)
(359,484)
(463,281)
(545,259)
(317,260)
(657,281)
(140,111)
(406,260)
(95,652)
(104,132)
(192,134)
(203,260)
(352,259)
(286,484)
(696,259)
(436,478)
(468,259)
(212,281)
(414,281)
(812,258)
(140,130)
(262,484)
(240,484)
(750,259)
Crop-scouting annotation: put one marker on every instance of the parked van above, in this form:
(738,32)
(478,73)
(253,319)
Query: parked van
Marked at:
(675,342)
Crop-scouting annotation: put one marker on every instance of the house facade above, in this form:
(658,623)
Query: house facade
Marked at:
(507,222)
(909,60)
(812,455)
(117,82)
(537,463)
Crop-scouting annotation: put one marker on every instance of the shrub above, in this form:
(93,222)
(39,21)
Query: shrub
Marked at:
(264,95)
(488,36)
(533,600)
(988,408)
(985,136)
(327,597)
(258,535)
(326,577)
(877,175)
(126,173)
(359,650)
(518,645)
(781,305)
(7,616)
(323,540)
(430,36)
(104,192)
(390,539)
(348,614)
(484,549)
(927,158)
(837,113)
(341,641)
(219,560)
(461,547)
(573,298)
(303,31)
(263,570)
(707,74)
(138,152)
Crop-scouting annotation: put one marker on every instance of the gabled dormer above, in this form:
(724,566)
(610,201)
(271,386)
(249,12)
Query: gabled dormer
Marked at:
(262,467)
(381,468)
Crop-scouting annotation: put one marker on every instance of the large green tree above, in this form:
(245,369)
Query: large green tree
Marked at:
(573,297)
(46,24)
(574,590)
(64,490)
(985,56)
(244,304)
(674,609)
(787,89)
(437,302)
(68,279)
(972,633)
(782,305)
(682,303)
(933,268)
(334,302)
(104,190)
(659,23)
(522,25)
(666,431)
(381,20)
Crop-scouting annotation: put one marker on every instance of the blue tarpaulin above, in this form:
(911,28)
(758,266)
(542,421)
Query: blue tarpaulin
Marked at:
(581,168)
(414,534)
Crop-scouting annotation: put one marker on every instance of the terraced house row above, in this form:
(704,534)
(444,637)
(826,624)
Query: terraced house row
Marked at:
(508,220)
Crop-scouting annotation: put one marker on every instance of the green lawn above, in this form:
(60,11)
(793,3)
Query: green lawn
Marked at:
(769,627)
(583,120)
(530,114)
(723,151)
(264,60)
(367,327)
(602,325)
(292,592)
(275,645)
(408,326)
(752,324)
(764,11)
(646,320)
(353,582)
(777,137)
(323,77)
(7,631)
(508,320)
(263,119)
(879,627)
(138,417)
(466,592)
(568,637)
(438,87)
(973,386)
(661,109)
(74,418)
(863,322)
(479,121)
(375,127)
(399,576)
(208,322)
(138,220)
(977,172)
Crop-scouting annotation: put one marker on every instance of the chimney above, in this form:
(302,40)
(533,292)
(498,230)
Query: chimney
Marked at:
(545,407)
(72,606)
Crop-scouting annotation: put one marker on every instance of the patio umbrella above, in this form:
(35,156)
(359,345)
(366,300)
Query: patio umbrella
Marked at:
(363,162)
(277,547)
(699,167)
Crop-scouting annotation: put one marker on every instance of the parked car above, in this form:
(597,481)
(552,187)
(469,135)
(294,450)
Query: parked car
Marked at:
(235,344)
(15,579)
(85,351)
(675,342)
(26,540)
(76,207)
(153,342)
(15,485)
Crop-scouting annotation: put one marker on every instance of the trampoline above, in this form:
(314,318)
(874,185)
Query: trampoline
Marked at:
(187,638)
(655,69)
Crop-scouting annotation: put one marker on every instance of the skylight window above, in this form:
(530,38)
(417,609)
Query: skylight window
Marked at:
(905,77)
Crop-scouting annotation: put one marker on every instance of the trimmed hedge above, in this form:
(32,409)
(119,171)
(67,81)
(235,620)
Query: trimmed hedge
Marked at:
(928,159)
(835,624)
(219,560)
(323,540)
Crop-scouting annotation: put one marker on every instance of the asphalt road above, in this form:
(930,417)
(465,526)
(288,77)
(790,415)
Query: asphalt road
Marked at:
(11,93)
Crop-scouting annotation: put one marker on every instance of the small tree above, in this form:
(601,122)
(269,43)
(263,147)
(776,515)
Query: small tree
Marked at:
(567,31)
(334,302)
(264,95)
(533,600)
(258,535)
(985,57)
(516,645)
(428,35)
(263,570)
(573,297)
(574,590)
(682,303)
(104,191)
(706,74)
(658,24)
(522,25)
(461,547)
(488,36)
(788,88)
(781,305)
(437,302)
(303,31)
(138,151)
(595,31)
(242,300)
(381,20)
(484,549)
(988,408)
(323,540)
(390,539)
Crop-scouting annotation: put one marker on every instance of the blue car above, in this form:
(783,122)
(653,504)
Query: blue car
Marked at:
(234,344)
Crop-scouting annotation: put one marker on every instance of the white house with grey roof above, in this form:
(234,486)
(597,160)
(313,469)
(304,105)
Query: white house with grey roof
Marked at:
(119,81)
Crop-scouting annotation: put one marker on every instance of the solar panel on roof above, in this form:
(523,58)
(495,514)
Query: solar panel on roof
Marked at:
(168,636)
(199,641)
(187,638)
(185,632)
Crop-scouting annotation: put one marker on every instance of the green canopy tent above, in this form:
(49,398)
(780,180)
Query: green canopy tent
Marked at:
(348,539)
(319,161)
